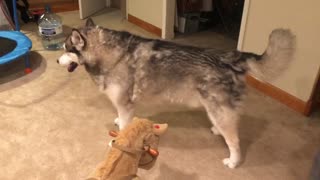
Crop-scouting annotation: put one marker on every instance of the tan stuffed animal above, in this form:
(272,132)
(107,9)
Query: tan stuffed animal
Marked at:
(135,147)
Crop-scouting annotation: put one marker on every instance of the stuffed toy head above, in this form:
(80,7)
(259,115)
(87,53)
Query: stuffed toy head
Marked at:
(141,136)
(135,146)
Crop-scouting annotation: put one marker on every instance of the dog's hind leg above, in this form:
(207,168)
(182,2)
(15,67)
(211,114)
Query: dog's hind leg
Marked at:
(228,126)
(224,119)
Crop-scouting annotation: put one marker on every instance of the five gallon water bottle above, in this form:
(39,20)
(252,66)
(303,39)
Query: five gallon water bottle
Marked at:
(50,29)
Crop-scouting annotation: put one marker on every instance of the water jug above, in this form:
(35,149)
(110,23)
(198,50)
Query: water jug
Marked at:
(50,29)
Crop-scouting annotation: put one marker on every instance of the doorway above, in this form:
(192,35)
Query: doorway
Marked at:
(121,5)
(209,20)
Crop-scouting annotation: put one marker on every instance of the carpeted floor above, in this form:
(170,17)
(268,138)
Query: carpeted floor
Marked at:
(53,124)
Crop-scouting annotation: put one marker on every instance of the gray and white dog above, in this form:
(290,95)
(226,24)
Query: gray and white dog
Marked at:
(130,69)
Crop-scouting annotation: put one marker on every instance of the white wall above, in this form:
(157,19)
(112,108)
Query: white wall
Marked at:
(87,8)
(147,10)
(302,17)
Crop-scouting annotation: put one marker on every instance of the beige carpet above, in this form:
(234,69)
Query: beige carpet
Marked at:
(54,126)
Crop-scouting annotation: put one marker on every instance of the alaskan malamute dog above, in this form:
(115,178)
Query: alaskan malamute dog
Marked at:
(130,69)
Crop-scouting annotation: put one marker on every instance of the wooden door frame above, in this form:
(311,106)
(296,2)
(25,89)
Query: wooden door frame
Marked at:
(314,102)
(168,17)
(243,24)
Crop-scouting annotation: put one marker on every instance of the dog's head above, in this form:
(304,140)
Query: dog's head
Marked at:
(74,45)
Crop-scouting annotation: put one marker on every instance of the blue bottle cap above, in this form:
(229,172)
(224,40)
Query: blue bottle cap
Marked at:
(47,8)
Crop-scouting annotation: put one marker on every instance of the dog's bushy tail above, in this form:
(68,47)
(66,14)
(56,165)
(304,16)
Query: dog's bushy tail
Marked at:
(277,56)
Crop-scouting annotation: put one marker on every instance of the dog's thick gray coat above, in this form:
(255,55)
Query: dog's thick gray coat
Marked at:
(131,69)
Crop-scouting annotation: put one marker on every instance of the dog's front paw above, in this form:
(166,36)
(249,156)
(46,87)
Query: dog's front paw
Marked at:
(116,121)
(230,163)
(121,124)
(215,131)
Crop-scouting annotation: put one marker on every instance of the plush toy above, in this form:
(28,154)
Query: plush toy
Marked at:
(136,146)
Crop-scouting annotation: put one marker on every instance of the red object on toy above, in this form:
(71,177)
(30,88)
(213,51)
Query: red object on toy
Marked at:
(153,152)
(27,70)
(113,133)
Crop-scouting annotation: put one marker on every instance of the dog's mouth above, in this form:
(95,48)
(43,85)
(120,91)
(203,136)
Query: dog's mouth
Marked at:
(72,66)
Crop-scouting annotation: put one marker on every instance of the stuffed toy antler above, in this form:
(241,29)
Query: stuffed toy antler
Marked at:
(134,147)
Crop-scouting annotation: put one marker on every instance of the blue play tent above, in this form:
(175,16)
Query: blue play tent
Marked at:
(21,43)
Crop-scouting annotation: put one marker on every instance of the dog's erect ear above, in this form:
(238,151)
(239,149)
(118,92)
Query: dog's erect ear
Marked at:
(77,40)
(159,129)
(90,23)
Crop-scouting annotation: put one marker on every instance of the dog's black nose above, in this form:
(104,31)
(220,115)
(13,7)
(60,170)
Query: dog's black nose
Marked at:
(58,61)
